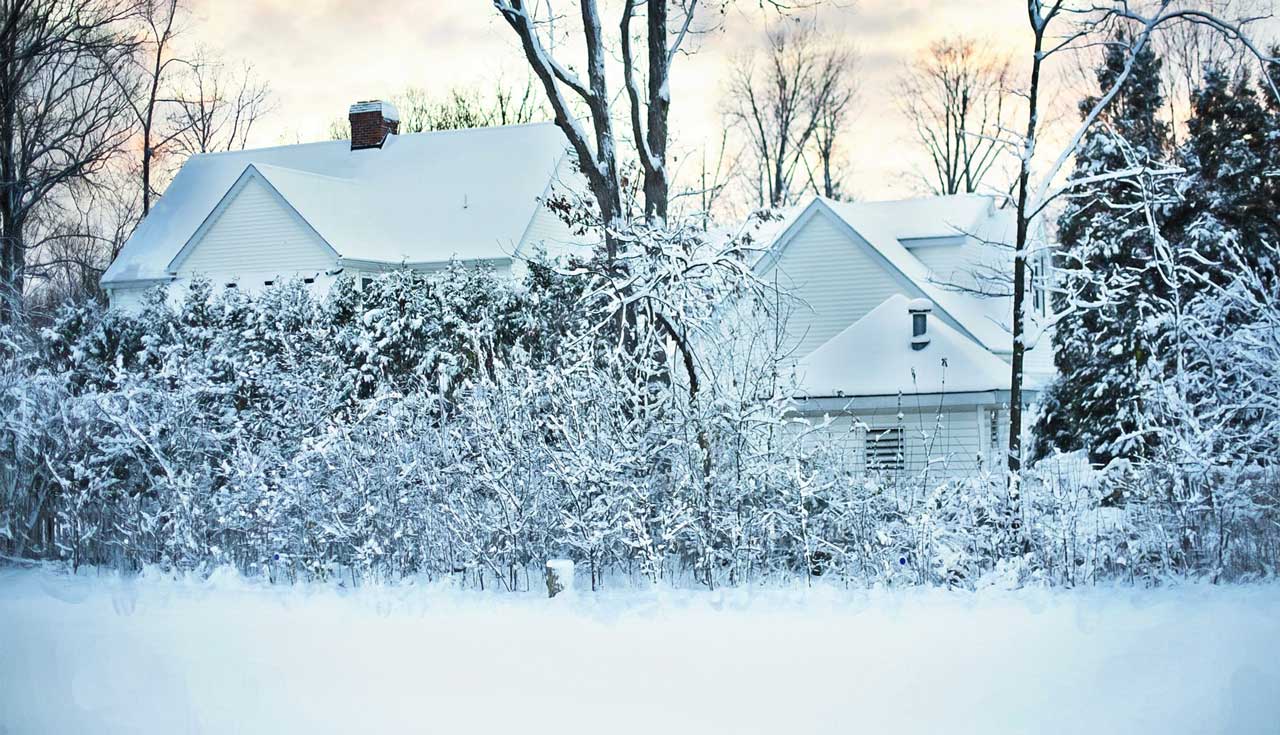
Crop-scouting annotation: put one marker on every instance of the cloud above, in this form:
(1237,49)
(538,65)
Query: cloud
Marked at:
(320,56)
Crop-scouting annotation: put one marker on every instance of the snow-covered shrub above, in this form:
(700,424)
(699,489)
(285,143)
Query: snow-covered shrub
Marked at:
(456,424)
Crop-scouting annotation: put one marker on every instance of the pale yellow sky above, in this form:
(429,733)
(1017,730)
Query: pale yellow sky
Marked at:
(321,55)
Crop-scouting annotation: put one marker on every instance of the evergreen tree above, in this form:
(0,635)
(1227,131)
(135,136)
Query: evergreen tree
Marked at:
(1232,156)
(1100,345)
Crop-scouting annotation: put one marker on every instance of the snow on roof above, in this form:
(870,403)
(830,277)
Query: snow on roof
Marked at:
(758,232)
(421,198)
(981,317)
(987,247)
(930,217)
(873,357)
(388,110)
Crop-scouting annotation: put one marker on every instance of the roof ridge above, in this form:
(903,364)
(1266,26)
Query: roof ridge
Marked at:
(481,128)
(212,154)
(258,166)
(242,151)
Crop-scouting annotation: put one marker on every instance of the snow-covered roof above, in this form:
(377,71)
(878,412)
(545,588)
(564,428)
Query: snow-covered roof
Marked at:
(982,317)
(929,217)
(980,235)
(988,230)
(874,357)
(421,198)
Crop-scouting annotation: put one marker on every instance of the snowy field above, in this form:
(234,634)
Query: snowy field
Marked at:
(101,654)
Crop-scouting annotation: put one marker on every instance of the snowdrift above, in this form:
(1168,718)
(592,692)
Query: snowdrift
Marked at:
(107,654)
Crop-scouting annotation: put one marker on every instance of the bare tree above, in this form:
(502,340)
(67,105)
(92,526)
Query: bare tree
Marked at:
(667,25)
(516,106)
(150,74)
(954,98)
(833,115)
(713,178)
(62,113)
(217,105)
(75,242)
(461,108)
(787,98)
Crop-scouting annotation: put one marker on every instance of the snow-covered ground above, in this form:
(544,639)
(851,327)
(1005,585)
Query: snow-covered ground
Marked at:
(101,654)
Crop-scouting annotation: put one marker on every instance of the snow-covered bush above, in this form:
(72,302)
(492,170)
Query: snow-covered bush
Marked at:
(456,424)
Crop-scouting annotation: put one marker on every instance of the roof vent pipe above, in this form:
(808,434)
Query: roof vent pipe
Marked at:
(919,310)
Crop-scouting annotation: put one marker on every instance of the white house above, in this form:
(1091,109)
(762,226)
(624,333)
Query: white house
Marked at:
(246,219)
(901,327)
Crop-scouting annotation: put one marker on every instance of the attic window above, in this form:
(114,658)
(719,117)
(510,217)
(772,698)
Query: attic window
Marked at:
(886,450)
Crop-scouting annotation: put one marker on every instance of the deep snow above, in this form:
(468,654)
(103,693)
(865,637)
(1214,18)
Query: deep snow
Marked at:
(103,654)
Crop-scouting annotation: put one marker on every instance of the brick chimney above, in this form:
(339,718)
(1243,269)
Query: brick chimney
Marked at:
(371,122)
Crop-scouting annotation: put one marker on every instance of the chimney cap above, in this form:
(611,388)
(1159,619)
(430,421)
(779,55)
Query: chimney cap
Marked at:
(388,110)
(919,305)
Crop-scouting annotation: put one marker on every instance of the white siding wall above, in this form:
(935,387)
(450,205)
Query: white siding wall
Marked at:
(954,442)
(547,230)
(547,234)
(835,281)
(128,299)
(256,239)
(947,262)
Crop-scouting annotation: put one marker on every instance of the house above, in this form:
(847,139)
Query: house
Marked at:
(247,219)
(900,328)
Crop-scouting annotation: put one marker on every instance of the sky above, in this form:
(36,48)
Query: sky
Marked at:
(320,56)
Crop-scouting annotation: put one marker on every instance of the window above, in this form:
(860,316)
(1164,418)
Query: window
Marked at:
(886,450)
(268,283)
(365,283)
(1037,294)
(1040,283)
(995,432)
(233,285)
(308,280)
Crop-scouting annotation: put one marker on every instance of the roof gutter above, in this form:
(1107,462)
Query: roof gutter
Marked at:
(384,265)
(133,282)
(931,401)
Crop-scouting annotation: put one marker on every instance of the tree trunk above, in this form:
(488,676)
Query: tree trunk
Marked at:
(655,179)
(1020,287)
(10,234)
(12,257)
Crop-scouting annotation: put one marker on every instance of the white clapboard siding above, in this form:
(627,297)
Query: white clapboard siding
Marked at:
(548,234)
(953,442)
(128,300)
(948,262)
(256,236)
(834,280)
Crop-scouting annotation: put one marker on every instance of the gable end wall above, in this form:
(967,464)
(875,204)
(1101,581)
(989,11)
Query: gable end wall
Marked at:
(256,237)
(835,282)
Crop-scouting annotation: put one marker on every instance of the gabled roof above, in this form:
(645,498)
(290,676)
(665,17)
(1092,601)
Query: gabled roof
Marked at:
(883,226)
(927,217)
(873,357)
(421,198)
(252,171)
